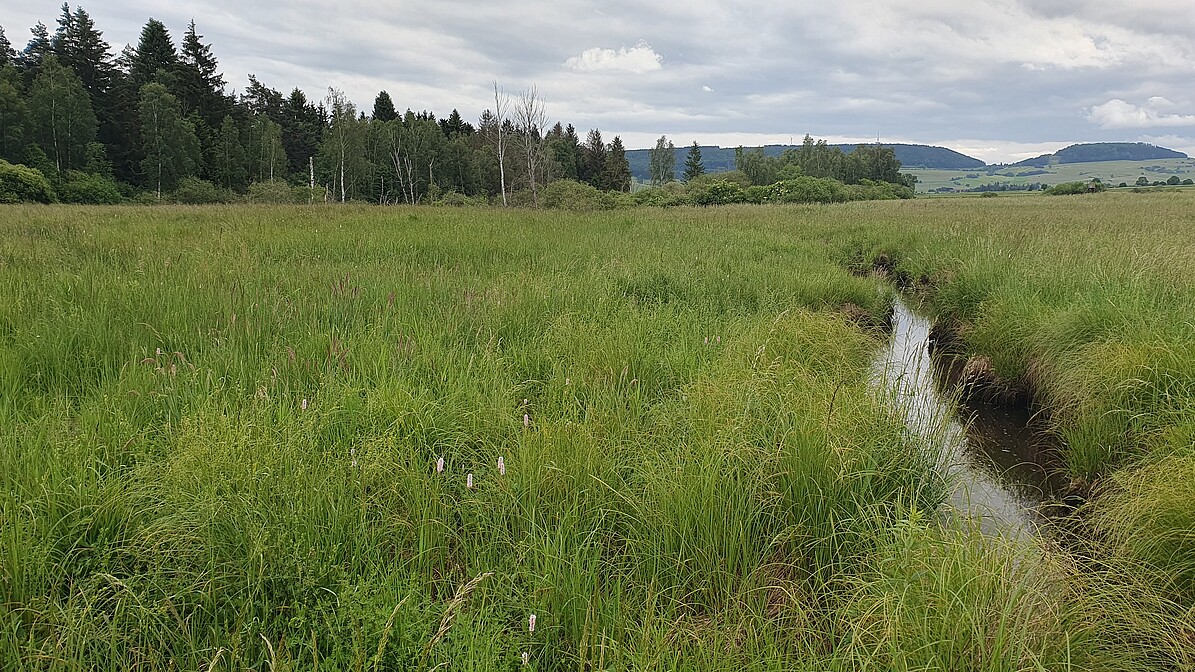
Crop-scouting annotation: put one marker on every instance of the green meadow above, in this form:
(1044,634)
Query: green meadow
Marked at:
(1110,173)
(360,438)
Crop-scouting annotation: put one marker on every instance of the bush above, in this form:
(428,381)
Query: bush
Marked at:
(194,191)
(275,191)
(571,195)
(870,190)
(21,184)
(455,199)
(88,189)
(734,176)
(1072,188)
(717,192)
(809,190)
(671,194)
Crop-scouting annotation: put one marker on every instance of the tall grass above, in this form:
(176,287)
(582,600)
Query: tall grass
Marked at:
(221,430)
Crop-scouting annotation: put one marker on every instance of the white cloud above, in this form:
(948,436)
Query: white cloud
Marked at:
(638,59)
(1117,113)
(707,89)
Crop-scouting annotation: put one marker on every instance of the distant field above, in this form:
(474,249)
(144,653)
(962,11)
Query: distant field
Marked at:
(1111,172)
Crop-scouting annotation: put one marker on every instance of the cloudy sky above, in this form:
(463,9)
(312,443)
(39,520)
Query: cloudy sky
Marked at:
(1000,80)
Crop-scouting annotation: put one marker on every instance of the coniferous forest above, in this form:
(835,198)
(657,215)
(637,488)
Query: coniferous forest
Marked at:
(81,124)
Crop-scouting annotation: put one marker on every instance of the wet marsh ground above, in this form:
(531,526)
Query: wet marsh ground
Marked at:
(221,432)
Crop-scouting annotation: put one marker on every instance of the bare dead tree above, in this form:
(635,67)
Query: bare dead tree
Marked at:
(530,120)
(498,136)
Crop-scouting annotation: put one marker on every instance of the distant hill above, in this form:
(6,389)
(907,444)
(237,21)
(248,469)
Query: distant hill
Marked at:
(1094,152)
(721,159)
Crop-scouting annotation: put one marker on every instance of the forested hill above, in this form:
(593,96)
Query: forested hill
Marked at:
(721,159)
(1104,151)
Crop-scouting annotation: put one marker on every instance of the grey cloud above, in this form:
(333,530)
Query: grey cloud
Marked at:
(993,72)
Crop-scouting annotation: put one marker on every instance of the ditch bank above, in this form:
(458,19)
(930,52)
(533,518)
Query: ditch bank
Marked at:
(993,452)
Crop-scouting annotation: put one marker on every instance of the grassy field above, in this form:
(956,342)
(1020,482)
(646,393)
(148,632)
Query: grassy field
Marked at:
(361,438)
(1111,173)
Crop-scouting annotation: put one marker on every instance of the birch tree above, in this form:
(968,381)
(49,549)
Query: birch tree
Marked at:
(63,121)
(168,141)
(662,160)
(494,125)
(530,118)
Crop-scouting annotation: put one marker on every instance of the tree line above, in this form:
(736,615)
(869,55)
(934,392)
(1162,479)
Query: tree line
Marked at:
(158,115)
(157,119)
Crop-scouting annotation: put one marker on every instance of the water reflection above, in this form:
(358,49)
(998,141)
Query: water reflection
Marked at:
(991,458)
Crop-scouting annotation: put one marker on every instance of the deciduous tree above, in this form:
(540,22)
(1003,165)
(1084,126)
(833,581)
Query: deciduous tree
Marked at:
(62,119)
(530,119)
(168,143)
(662,162)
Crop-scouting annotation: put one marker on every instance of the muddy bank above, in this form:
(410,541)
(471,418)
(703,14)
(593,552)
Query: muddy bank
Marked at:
(995,454)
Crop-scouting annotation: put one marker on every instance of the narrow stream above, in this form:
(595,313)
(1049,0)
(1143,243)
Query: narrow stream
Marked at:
(988,453)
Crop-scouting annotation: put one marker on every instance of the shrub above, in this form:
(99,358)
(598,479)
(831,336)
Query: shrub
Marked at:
(733,176)
(759,194)
(617,200)
(571,195)
(717,192)
(88,189)
(1072,188)
(809,190)
(455,199)
(673,193)
(274,191)
(194,191)
(21,184)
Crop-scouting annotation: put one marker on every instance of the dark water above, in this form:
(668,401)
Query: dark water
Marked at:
(990,454)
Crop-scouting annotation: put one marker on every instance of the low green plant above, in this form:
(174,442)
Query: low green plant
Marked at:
(19,184)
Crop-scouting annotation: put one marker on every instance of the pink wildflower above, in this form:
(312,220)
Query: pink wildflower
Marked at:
(501,466)
(440,465)
(531,623)
(469,481)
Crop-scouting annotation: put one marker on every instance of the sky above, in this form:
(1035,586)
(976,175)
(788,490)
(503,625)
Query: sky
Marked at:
(1000,80)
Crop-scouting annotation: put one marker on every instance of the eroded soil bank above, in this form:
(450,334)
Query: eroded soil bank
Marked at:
(993,454)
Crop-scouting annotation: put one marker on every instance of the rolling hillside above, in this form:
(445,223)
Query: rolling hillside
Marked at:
(721,159)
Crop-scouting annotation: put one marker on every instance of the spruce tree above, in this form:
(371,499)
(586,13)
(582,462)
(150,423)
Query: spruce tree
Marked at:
(35,52)
(383,108)
(14,116)
(592,166)
(155,58)
(693,166)
(618,169)
(200,84)
(82,48)
(7,53)
(302,129)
